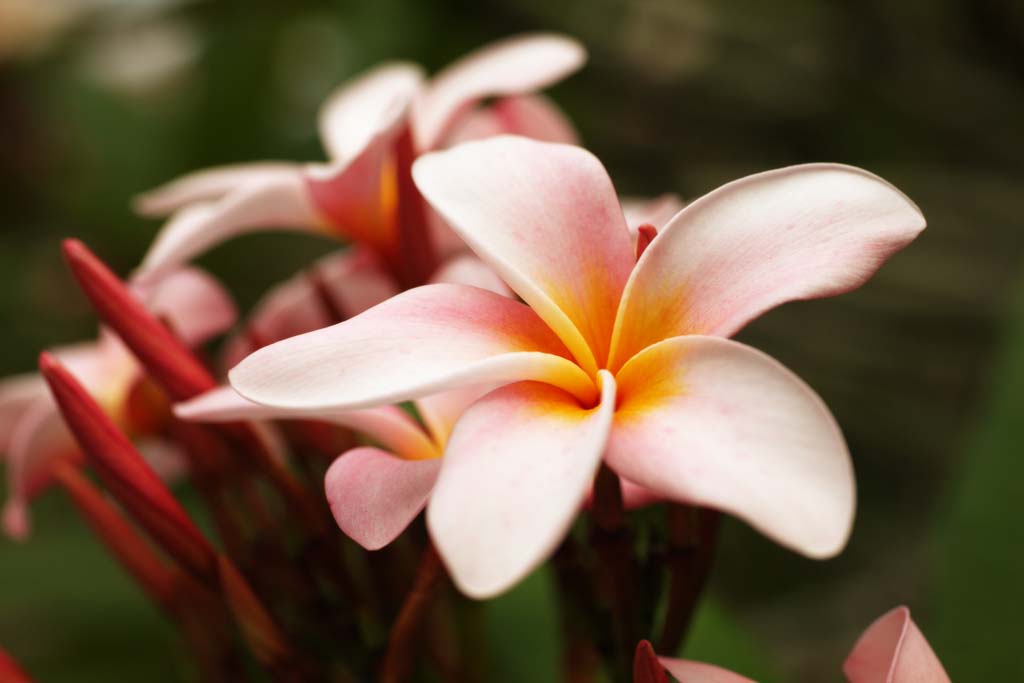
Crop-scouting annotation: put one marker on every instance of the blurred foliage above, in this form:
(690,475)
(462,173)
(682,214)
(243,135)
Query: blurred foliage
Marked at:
(680,95)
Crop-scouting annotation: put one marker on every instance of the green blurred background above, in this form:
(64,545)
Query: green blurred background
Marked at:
(924,367)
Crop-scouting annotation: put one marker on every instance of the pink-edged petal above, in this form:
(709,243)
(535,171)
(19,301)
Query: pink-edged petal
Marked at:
(16,395)
(375,495)
(280,200)
(545,217)
(193,303)
(469,270)
(893,650)
(516,471)
(206,185)
(40,439)
(514,66)
(686,671)
(359,110)
(388,425)
(801,232)
(352,281)
(426,340)
(531,116)
(711,422)
(656,212)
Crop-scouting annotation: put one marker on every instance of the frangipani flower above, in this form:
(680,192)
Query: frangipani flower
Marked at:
(891,650)
(32,433)
(608,361)
(372,129)
(374,492)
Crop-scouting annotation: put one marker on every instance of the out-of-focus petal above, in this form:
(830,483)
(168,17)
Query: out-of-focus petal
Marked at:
(795,233)
(353,280)
(656,212)
(389,426)
(516,470)
(514,66)
(277,201)
(686,671)
(893,650)
(426,340)
(711,422)
(16,395)
(545,217)
(532,116)
(206,185)
(375,495)
(196,306)
(440,412)
(469,270)
(359,110)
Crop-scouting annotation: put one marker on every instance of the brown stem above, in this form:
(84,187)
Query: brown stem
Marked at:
(692,537)
(614,547)
(577,610)
(430,578)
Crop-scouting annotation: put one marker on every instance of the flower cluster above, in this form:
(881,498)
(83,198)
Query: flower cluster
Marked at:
(503,344)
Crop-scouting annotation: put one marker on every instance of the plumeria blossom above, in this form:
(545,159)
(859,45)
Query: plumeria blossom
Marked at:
(609,358)
(33,435)
(891,650)
(374,491)
(372,129)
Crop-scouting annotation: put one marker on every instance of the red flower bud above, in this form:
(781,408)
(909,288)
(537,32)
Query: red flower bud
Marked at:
(646,667)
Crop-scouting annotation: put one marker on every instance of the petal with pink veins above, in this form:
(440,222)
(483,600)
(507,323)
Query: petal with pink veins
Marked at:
(206,185)
(278,201)
(375,495)
(359,110)
(686,671)
(531,116)
(426,340)
(514,66)
(388,425)
(545,217)
(801,232)
(711,422)
(516,471)
(893,650)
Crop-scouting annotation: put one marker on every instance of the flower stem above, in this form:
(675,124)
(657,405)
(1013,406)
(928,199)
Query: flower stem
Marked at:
(692,537)
(430,578)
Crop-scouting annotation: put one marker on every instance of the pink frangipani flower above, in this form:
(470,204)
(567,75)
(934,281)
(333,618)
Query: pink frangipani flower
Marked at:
(372,128)
(891,650)
(610,358)
(33,435)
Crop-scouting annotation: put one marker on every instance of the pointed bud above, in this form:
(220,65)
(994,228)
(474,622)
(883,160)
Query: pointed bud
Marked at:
(645,234)
(646,667)
(166,358)
(11,671)
(127,476)
(262,634)
(120,537)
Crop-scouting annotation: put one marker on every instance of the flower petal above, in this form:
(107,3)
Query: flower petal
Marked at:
(469,270)
(514,66)
(16,395)
(374,495)
(352,279)
(657,211)
(195,305)
(359,110)
(206,185)
(532,116)
(795,233)
(516,471)
(686,671)
(711,422)
(440,412)
(389,426)
(893,650)
(546,219)
(423,341)
(278,201)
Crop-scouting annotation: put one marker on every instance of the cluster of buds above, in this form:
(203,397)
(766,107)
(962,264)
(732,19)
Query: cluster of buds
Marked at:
(510,361)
